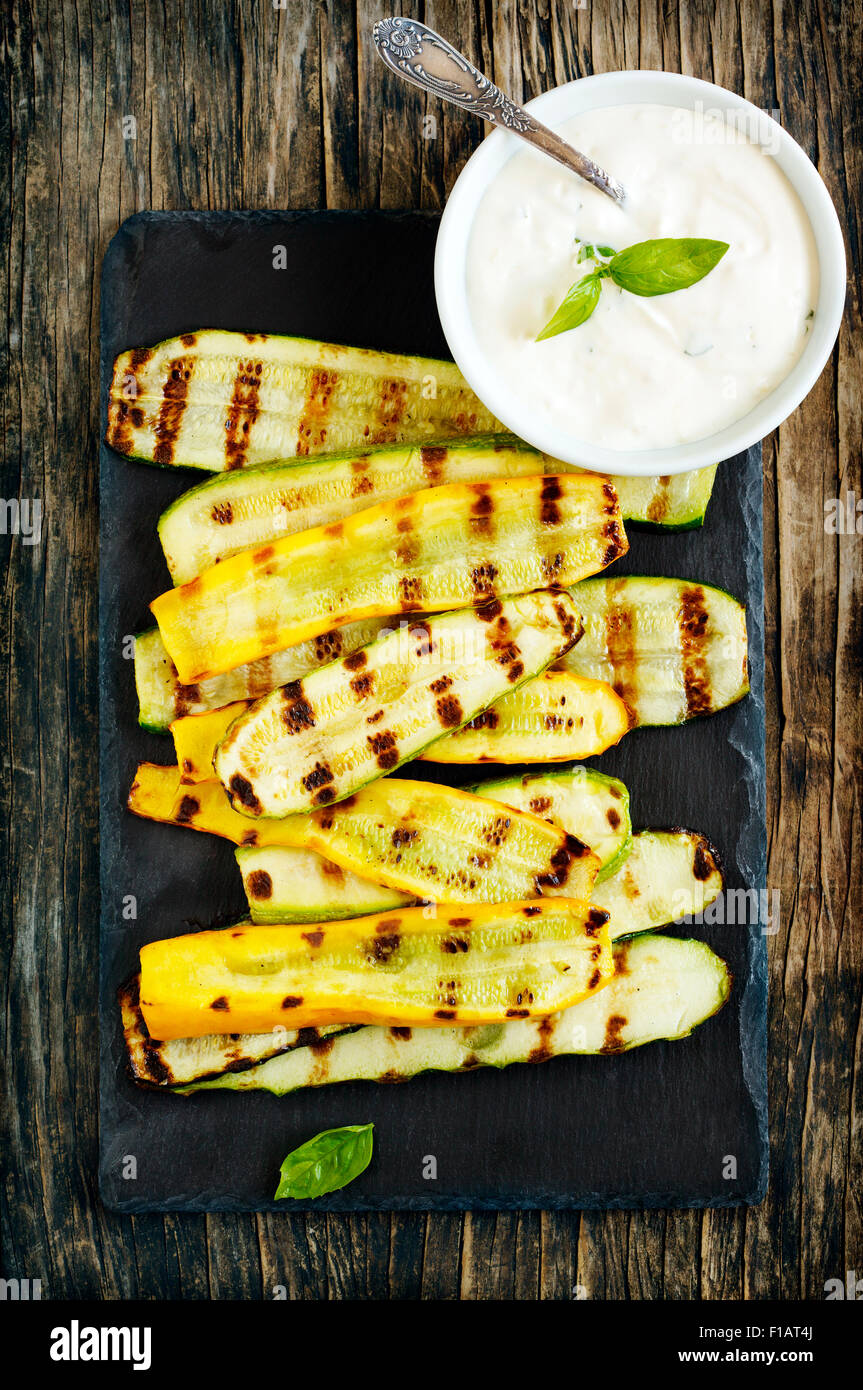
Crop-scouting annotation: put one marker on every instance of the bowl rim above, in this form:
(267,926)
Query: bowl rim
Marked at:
(628,87)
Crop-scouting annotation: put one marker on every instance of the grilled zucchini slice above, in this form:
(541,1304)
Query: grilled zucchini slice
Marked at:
(162,697)
(662,988)
(223,401)
(231,513)
(671,648)
(181,1061)
(435,842)
(316,741)
(677,503)
(476,963)
(234,512)
(667,875)
(552,719)
(558,716)
(298,885)
(286,882)
(446,547)
(588,804)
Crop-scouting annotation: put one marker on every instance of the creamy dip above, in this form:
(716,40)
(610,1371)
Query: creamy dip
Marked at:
(644,373)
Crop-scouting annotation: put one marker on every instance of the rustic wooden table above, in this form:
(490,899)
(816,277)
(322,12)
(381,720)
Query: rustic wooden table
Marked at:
(282,103)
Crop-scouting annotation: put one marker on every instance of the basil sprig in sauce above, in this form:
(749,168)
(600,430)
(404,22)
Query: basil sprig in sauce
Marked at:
(648,268)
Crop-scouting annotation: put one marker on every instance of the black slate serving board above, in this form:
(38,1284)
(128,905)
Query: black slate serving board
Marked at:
(671,1124)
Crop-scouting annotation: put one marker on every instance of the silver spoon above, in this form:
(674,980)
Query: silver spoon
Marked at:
(421,56)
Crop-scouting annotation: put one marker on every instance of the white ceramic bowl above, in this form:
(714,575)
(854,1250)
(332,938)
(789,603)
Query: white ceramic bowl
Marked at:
(620,89)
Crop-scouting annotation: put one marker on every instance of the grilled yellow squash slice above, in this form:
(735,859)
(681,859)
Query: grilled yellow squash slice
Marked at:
(442,844)
(670,647)
(447,547)
(662,988)
(581,801)
(316,741)
(159,793)
(554,718)
(471,964)
(236,511)
(197,736)
(222,401)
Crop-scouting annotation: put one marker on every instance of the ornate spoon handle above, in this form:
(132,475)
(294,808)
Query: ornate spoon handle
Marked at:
(421,56)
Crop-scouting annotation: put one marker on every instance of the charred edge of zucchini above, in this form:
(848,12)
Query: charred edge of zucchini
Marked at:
(146,1066)
(708,860)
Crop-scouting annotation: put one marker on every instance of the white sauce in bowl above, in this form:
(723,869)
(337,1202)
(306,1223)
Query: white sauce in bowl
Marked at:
(644,372)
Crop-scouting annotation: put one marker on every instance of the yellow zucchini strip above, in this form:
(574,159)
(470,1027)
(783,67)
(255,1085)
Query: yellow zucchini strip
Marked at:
(556,717)
(662,988)
(444,548)
(196,737)
(223,401)
(442,844)
(318,740)
(468,964)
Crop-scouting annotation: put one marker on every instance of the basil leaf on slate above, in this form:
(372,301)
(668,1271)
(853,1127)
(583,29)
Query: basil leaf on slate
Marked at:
(578,305)
(325,1163)
(665,264)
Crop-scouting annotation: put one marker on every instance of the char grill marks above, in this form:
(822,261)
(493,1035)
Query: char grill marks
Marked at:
(694,623)
(243,412)
(172,408)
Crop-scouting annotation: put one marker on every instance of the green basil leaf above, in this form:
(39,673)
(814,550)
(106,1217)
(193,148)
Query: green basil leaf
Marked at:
(578,305)
(325,1163)
(666,264)
(585,253)
(606,250)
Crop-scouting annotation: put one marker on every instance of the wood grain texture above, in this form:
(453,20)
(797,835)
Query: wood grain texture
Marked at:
(246,105)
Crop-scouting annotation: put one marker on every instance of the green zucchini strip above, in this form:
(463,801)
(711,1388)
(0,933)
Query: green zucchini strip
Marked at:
(232,512)
(677,503)
(162,697)
(180,1061)
(235,511)
(667,875)
(588,804)
(315,741)
(671,648)
(223,401)
(663,988)
(284,884)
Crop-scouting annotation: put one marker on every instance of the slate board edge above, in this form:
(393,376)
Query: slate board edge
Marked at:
(753,997)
